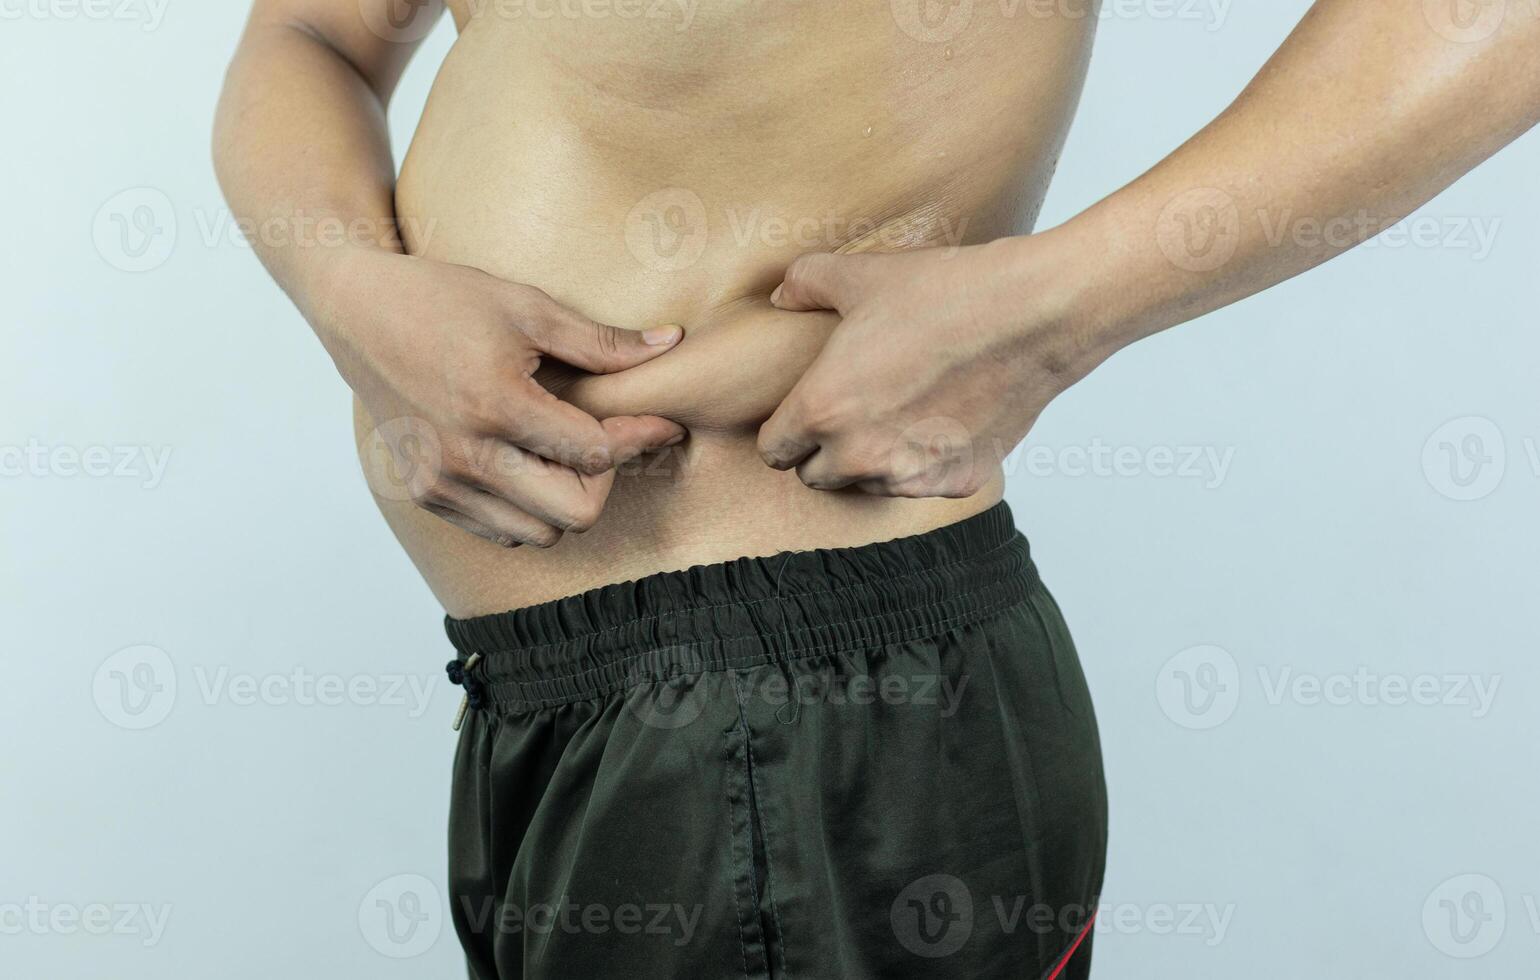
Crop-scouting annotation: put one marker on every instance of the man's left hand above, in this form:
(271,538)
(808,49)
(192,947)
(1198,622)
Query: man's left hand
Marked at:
(938,368)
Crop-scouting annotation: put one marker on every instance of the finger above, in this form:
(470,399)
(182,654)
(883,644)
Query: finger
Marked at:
(556,430)
(817,281)
(494,520)
(557,495)
(600,348)
(823,471)
(877,487)
(632,435)
(783,440)
(560,496)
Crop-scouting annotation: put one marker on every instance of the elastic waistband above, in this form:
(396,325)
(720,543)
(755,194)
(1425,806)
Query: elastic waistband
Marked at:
(745,612)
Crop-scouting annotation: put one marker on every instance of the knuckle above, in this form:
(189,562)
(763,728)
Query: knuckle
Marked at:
(542,537)
(587,515)
(772,451)
(583,515)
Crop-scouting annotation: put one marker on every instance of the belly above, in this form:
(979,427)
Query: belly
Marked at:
(642,174)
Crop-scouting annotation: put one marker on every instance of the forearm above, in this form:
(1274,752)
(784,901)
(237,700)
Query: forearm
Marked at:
(303,155)
(1362,116)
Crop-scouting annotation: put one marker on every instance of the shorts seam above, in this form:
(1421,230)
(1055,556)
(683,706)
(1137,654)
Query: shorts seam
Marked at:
(732,866)
(764,832)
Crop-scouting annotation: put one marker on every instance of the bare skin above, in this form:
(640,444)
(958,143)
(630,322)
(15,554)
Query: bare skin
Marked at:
(572,171)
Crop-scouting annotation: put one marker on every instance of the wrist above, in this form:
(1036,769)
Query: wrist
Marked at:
(337,294)
(1049,303)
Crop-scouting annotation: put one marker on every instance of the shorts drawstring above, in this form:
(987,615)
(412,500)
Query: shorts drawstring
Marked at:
(475,695)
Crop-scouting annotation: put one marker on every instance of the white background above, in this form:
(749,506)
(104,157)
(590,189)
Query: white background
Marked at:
(1328,839)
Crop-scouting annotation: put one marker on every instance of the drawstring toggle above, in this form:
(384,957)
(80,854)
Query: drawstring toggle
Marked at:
(460,674)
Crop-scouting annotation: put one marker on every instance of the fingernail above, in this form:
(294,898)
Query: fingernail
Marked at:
(775,296)
(676,440)
(661,336)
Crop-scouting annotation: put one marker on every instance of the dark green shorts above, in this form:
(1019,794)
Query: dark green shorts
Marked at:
(875,762)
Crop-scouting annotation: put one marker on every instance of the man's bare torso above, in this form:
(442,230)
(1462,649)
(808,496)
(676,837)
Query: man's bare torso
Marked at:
(660,163)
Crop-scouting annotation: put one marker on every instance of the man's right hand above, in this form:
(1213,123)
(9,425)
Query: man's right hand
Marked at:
(445,354)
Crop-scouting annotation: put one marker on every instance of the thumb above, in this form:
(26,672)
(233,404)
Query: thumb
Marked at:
(632,435)
(817,281)
(596,347)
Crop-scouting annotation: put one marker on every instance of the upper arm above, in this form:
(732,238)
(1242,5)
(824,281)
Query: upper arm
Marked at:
(376,37)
